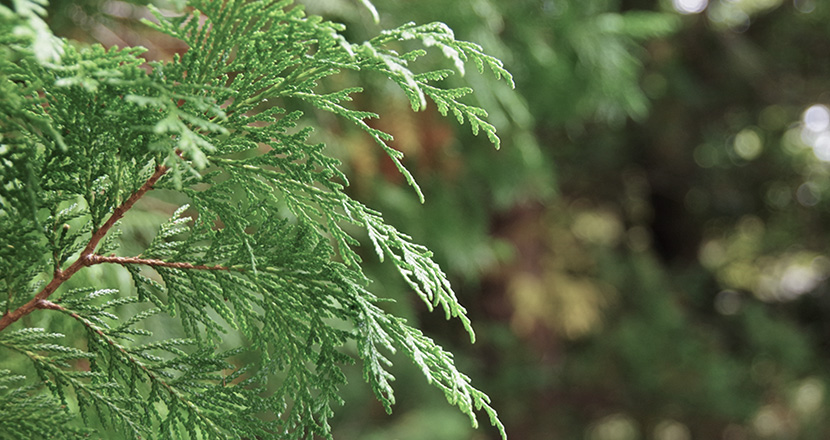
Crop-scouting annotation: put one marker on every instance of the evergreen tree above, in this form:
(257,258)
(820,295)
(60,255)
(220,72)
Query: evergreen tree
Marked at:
(262,252)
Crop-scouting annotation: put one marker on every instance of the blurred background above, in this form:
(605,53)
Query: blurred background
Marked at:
(646,257)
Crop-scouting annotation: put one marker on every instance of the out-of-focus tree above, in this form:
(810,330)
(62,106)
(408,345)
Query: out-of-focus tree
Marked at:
(651,254)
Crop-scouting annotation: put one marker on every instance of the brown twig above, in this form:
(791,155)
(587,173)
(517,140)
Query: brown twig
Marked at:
(86,258)
(95,259)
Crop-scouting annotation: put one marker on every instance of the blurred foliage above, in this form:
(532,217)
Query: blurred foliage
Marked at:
(647,255)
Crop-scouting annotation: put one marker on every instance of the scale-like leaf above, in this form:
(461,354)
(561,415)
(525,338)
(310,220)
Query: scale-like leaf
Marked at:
(263,254)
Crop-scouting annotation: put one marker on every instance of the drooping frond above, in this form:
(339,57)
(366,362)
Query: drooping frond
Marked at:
(250,299)
(27,414)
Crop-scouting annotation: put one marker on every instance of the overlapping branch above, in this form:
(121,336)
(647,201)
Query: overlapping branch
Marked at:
(88,257)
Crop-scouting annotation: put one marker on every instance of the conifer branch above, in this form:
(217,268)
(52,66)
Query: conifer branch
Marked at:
(87,257)
(131,360)
(118,214)
(287,276)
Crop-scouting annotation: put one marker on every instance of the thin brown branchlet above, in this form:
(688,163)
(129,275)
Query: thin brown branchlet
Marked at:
(88,257)
(96,259)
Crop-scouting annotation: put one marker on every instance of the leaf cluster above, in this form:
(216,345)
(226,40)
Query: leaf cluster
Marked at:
(263,253)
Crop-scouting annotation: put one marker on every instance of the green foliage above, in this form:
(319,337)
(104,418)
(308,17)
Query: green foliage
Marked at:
(263,252)
(26,413)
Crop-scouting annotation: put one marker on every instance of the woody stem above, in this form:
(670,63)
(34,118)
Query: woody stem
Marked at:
(87,257)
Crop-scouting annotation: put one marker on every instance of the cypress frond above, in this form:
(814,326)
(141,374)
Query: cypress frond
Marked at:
(262,255)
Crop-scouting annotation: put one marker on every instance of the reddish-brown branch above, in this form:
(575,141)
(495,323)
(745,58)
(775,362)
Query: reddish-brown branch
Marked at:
(85,259)
(46,304)
(120,211)
(95,259)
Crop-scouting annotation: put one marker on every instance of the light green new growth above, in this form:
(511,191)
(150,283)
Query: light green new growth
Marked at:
(264,247)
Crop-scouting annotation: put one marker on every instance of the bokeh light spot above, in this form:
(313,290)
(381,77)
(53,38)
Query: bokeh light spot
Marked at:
(671,430)
(748,144)
(728,302)
(809,396)
(614,427)
(768,422)
(805,6)
(798,280)
(779,195)
(821,146)
(706,156)
(690,6)
(807,194)
(712,254)
(817,118)
(600,227)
